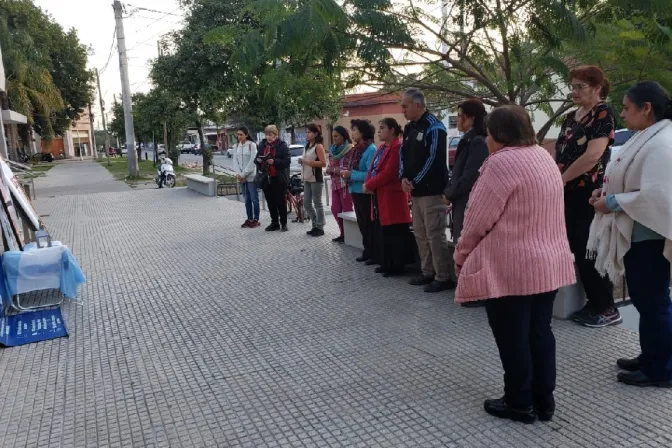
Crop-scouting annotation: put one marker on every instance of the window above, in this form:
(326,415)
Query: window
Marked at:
(452,122)
(454,142)
(622,137)
(296,151)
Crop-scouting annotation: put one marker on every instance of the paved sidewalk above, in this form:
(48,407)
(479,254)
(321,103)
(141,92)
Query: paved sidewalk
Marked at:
(194,332)
(77,177)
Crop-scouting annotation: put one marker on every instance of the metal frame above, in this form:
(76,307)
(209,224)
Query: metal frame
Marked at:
(15,303)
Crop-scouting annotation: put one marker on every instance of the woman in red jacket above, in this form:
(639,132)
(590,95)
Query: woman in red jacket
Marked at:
(398,245)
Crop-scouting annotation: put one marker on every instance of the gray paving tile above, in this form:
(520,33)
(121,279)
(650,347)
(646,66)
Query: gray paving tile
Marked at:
(193,332)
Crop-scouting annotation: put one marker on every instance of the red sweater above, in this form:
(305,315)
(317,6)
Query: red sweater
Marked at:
(392,201)
(514,241)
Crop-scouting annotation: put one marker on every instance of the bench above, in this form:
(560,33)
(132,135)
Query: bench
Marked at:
(569,299)
(353,237)
(202,184)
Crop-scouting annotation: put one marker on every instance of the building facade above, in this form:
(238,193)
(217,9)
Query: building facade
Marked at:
(77,141)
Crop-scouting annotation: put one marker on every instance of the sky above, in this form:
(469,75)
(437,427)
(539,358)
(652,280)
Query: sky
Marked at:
(94,22)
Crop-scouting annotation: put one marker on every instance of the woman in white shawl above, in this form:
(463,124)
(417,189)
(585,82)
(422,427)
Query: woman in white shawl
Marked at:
(631,234)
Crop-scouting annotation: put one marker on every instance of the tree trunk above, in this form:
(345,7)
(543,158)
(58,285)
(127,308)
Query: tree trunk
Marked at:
(206,154)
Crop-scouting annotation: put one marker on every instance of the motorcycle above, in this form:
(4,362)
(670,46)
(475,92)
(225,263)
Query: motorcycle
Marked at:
(165,175)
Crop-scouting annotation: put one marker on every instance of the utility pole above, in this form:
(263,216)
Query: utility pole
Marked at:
(94,149)
(165,128)
(126,91)
(102,113)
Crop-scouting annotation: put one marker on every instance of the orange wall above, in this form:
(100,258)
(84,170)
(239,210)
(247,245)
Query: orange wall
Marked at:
(374,118)
(55,146)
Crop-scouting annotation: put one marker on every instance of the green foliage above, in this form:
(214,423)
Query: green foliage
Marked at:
(504,51)
(631,46)
(197,73)
(271,88)
(47,79)
(150,112)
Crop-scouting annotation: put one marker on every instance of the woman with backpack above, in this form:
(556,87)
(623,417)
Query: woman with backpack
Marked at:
(244,153)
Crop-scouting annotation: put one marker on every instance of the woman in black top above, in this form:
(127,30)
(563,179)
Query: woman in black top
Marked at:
(274,158)
(471,153)
(582,150)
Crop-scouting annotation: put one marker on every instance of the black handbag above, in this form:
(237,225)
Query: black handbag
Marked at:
(262,180)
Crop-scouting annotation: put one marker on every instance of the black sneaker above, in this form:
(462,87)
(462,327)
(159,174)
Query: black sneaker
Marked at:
(421,281)
(273,228)
(284,228)
(339,240)
(317,232)
(580,315)
(609,317)
(437,286)
(630,365)
(311,231)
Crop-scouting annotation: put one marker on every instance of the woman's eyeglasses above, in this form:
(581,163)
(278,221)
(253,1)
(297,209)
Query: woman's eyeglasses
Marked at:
(578,87)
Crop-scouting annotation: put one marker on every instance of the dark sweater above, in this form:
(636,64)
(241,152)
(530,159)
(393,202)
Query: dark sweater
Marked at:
(423,156)
(282,161)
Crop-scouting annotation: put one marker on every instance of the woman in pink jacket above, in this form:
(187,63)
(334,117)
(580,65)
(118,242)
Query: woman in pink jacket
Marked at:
(514,252)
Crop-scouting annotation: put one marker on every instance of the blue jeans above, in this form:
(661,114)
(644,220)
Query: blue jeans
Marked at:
(647,273)
(249,190)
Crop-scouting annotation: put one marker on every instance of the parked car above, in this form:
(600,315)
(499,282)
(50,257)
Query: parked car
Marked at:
(621,136)
(124,150)
(296,151)
(187,148)
(452,149)
(229,152)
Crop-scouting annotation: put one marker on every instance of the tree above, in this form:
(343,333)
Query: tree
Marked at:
(117,126)
(631,45)
(503,51)
(272,90)
(198,74)
(45,68)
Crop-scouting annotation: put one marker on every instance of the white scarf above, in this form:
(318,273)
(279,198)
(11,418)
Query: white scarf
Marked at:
(641,179)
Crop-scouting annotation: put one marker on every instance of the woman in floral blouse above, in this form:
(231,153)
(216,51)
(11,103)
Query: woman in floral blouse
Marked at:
(582,151)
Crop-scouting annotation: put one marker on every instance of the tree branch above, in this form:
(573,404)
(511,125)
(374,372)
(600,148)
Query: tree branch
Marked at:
(505,50)
(549,124)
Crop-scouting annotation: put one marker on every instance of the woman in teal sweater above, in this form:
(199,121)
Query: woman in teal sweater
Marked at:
(363,133)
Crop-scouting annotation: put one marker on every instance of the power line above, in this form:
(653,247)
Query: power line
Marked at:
(109,58)
(172,13)
(164,16)
(151,18)
(145,41)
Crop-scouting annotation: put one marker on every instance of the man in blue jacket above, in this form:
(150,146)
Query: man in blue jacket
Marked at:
(424,174)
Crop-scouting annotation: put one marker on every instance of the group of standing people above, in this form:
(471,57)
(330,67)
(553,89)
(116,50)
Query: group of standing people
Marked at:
(525,221)
(533,217)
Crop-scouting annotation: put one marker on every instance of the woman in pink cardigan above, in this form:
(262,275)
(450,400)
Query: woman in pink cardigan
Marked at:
(514,252)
